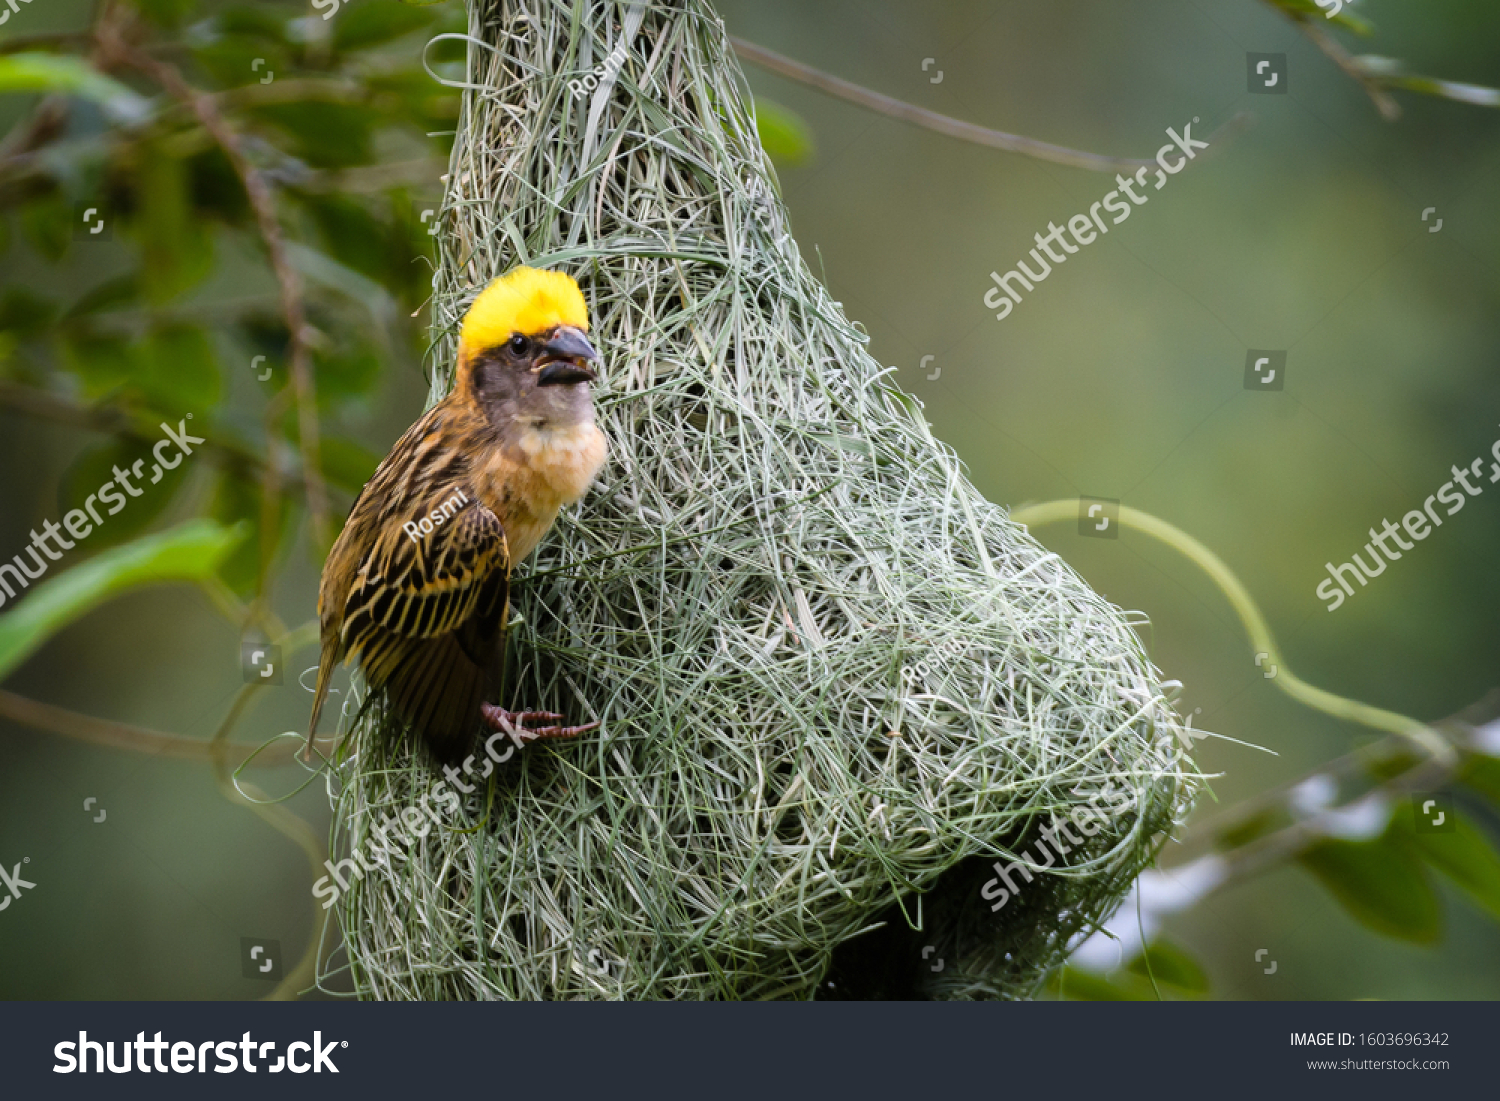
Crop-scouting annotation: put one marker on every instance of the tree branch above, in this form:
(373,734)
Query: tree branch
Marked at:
(1389,109)
(944,124)
(138,739)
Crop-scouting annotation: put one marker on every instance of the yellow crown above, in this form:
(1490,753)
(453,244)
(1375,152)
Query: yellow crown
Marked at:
(525,301)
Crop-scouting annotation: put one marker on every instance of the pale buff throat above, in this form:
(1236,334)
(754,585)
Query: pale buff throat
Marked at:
(556,467)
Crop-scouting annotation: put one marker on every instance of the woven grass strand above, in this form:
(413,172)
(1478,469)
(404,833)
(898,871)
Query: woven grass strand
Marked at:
(829,672)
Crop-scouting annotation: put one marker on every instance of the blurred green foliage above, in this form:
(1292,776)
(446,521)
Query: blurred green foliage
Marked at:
(347,131)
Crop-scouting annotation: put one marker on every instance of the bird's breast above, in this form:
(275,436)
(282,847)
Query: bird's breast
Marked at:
(534,473)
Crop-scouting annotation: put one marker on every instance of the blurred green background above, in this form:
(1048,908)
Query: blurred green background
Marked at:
(1120,377)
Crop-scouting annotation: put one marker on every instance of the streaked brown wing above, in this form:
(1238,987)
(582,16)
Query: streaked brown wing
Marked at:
(429,585)
(424,617)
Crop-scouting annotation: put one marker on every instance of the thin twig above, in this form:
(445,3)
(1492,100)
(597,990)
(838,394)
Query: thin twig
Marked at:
(1417,733)
(945,124)
(1389,109)
(48,122)
(1291,841)
(1458,729)
(138,739)
(23,43)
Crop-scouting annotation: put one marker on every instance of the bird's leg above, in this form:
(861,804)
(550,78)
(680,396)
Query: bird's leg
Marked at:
(513,723)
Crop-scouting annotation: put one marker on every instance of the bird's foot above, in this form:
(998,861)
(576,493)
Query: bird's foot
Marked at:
(514,723)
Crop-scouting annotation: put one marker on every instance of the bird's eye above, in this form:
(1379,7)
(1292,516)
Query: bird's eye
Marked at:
(518,344)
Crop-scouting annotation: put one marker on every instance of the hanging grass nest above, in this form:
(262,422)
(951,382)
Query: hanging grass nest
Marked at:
(835,683)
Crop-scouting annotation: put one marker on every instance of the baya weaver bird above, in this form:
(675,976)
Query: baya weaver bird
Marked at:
(417,584)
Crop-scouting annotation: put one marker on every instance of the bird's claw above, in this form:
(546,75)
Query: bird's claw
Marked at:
(513,724)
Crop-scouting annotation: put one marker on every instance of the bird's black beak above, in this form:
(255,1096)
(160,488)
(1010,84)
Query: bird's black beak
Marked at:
(564,359)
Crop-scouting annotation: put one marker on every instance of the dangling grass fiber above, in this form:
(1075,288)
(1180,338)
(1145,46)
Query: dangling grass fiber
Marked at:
(830,674)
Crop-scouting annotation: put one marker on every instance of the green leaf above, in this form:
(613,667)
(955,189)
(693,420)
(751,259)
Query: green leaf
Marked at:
(216,190)
(181,370)
(1075,984)
(232,61)
(1256,826)
(350,373)
(25,313)
(415,97)
(376,21)
(254,20)
(102,363)
(190,552)
(1382,884)
(165,13)
(1464,855)
(1483,775)
(324,270)
(39,72)
(1386,768)
(786,137)
(353,235)
(263,333)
